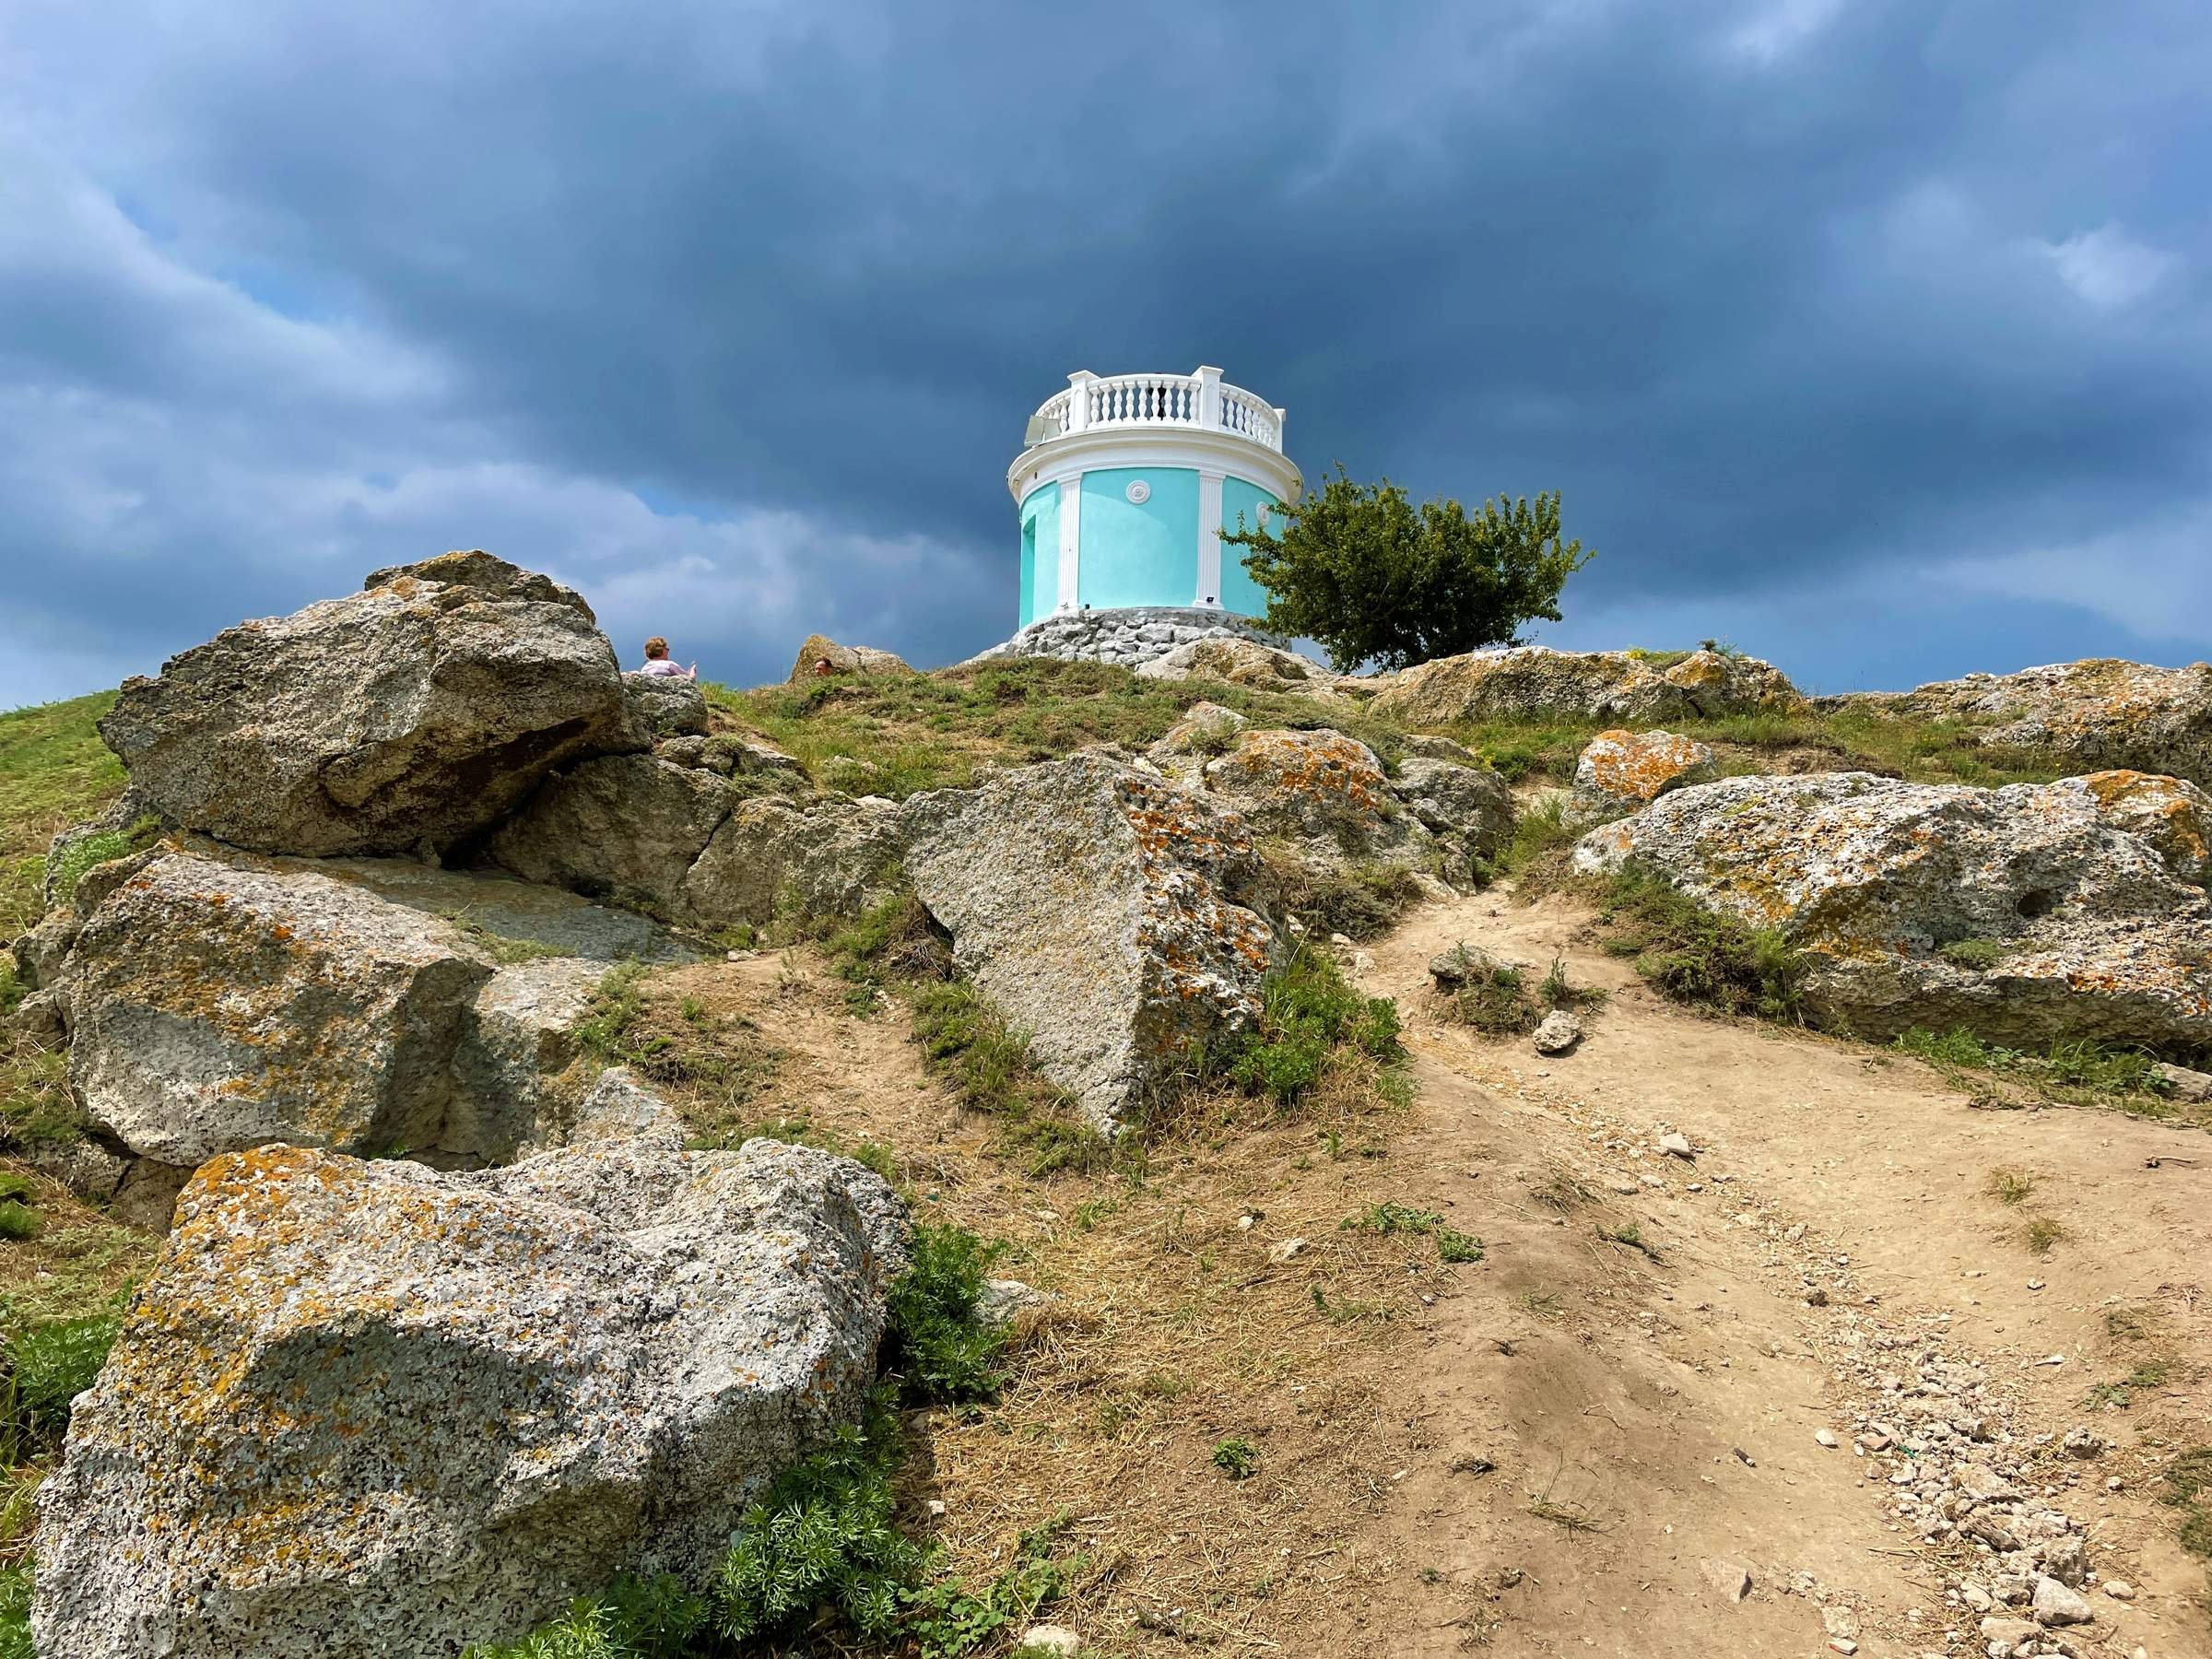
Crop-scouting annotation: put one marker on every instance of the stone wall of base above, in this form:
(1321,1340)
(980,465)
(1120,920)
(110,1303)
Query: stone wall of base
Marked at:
(1129,637)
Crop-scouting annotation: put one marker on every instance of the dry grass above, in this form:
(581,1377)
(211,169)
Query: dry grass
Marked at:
(2008,1185)
(1169,1330)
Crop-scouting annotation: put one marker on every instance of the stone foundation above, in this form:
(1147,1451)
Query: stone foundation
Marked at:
(1130,637)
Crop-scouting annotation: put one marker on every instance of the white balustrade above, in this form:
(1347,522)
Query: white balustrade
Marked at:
(1200,400)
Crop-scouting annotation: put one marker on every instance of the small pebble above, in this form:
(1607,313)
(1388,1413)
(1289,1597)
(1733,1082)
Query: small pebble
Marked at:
(1827,1438)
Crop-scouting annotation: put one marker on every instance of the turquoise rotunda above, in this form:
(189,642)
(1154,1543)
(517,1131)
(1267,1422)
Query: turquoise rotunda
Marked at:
(1125,487)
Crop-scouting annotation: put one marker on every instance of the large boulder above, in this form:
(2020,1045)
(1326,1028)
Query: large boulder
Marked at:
(219,1004)
(421,711)
(1237,661)
(2029,913)
(820,649)
(1466,802)
(1620,771)
(1108,915)
(663,705)
(1325,792)
(695,846)
(363,1410)
(1534,682)
(2098,713)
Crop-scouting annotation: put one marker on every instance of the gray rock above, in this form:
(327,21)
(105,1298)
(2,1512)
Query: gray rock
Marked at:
(1005,1301)
(1109,915)
(1238,661)
(40,953)
(822,856)
(147,1196)
(2099,713)
(427,1410)
(1127,638)
(624,828)
(1466,964)
(41,1019)
(420,711)
(660,705)
(90,1170)
(2067,1560)
(1471,804)
(1729,1576)
(1324,792)
(1557,1032)
(1535,681)
(1055,1639)
(2097,930)
(1429,746)
(620,1109)
(842,659)
(2185,1085)
(2055,1604)
(223,1004)
(1206,728)
(69,855)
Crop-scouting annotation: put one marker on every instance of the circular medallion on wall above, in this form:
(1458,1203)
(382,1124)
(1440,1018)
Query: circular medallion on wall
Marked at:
(1139,492)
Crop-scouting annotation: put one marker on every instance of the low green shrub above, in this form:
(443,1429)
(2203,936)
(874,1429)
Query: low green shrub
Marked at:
(1694,955)
(1308,1012)
(80,858)
(1237,1458)
(1388,1217)
(15,1613)
(939,1350)
(18,1220)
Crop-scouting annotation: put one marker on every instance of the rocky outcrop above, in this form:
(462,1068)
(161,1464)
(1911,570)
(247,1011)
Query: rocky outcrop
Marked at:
(2099,713)
(1107,914)
(1534,682)
(1204,729)
(363,1410)
(807,667)
(1620,771)
(1325,792)
(659,705)
(1465,803)
(417,712)
(2029,914)
(693,845)
(1237,661)
(216,1003)
(1128,637)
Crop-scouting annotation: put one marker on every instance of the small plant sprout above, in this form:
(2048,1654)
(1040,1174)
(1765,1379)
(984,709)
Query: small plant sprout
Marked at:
(1237,1458)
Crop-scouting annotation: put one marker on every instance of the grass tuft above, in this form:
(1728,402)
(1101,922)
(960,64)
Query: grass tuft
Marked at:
(1691,955)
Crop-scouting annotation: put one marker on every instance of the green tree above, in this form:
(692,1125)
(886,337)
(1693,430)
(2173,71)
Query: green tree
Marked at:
(1373,578)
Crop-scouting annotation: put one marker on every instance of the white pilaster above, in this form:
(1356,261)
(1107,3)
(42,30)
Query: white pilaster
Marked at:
(1071,533)
(1078,405)
(1209,531)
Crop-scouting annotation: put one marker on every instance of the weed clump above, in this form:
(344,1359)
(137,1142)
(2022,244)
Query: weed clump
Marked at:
(1312,1019)
(1693,955)
(2076,1072)
(939,1349)
(50,1362)
(1237,1458)
(1385,1219)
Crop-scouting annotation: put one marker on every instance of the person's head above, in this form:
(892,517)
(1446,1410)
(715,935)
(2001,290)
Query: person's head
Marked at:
(655,649)
(821,665)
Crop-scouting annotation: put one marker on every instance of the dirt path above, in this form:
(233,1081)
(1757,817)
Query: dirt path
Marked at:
(1830,1260)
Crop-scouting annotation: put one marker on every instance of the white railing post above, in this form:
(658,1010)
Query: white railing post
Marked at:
(1280,415)
(1209,397)
(1078,399)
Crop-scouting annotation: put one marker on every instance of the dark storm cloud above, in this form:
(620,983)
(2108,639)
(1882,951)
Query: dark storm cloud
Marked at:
(1875,336)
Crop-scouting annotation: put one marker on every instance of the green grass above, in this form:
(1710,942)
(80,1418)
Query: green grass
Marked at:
(2077,1073)
(1980,954)
(1387,1218)
(938,1349)
(54,770)
(1313,1020)
(15,1613)
(1692,955)
(49,1364)
(2186,1485)
(896,734)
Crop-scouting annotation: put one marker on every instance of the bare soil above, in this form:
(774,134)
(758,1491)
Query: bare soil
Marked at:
(1564,1447)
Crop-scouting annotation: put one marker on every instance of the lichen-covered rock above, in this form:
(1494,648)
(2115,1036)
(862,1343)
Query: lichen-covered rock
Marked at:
(1108,915)
(2029,914)
(363,1410)
(216,1009)
(217,1003)
(419,710)
(842,659)
(661,705)
(1238,661)
(1470,804)
(1620,771)
(1325,792)
(40,952)
(1528,682)
(2099,713)
(2170,816)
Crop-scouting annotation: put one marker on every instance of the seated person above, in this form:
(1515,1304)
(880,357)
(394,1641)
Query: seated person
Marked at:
(658,665)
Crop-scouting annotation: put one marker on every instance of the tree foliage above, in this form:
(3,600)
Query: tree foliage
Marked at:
(1374,577)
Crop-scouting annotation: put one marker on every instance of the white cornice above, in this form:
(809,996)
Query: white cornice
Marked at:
(1064,457)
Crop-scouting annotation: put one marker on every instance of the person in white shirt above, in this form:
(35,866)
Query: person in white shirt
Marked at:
(658,665)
